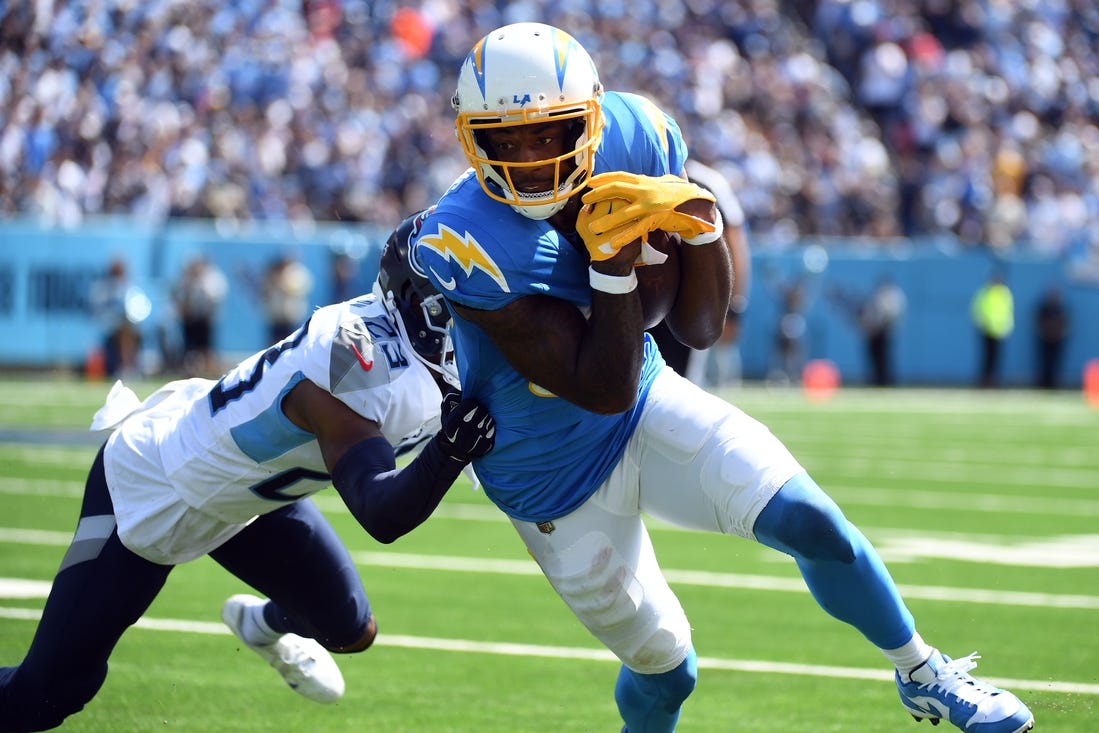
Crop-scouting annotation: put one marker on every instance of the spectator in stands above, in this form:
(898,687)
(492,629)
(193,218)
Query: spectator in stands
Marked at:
(993,313)
(853,119)
(345,270)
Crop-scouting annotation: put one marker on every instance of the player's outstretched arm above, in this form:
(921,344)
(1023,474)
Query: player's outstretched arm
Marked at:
(390,502)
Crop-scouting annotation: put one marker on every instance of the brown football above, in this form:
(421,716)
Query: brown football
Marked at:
(658,285)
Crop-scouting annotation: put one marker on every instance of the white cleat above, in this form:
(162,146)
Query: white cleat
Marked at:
(305,665)
(942,689)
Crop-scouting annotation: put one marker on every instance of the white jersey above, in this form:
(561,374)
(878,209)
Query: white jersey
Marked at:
(198,460)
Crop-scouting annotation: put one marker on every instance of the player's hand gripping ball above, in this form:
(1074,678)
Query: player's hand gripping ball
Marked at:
(658,284)
(621,206)
(602,240)
(657,268)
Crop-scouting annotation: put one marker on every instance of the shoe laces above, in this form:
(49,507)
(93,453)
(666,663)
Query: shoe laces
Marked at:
(294,654)
(953,678)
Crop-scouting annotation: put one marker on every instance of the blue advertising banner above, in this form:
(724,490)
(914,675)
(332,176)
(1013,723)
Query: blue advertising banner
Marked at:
(48,279)
(48,276)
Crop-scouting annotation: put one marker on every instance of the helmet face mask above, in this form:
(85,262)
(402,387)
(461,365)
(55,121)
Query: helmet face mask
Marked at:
(529,74)
(417,308)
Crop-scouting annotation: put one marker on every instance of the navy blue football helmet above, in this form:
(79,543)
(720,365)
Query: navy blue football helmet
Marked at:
(419,309)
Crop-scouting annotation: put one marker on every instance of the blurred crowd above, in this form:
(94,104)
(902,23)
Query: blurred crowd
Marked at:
(972,119)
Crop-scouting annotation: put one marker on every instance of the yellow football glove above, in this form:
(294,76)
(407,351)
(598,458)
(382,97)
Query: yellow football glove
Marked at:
(650,203)
(602,240)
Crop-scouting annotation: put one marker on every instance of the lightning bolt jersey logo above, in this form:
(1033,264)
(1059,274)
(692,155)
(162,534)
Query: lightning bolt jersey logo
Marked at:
(464,250)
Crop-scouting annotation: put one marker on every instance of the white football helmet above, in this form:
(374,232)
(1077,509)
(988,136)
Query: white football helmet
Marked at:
(522,74)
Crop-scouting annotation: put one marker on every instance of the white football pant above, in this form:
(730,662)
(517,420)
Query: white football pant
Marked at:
(694,461)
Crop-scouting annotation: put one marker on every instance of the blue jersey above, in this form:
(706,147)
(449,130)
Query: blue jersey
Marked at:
(550,454)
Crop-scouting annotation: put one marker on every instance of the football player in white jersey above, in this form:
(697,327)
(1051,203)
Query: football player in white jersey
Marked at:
(536,248)
(226,469)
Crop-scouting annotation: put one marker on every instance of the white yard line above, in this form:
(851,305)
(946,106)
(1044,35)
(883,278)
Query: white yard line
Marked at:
(929,498)
(730,580)
(505,566)
(598,655)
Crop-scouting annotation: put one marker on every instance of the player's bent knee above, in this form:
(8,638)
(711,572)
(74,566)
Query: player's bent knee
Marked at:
(803,521)
(637,690)
(820,535)
(657,652)
(680,682)
(644,625)
(362,643)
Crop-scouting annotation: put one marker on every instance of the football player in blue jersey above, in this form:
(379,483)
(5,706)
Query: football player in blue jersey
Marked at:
(226,469)
(536,249)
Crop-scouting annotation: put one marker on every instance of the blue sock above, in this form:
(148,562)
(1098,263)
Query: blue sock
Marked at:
(650,703)
(840,567)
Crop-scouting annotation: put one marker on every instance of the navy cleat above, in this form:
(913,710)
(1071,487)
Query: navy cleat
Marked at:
(941,688)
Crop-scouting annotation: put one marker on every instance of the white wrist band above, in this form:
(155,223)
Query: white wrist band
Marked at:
(613,284)
(707,237)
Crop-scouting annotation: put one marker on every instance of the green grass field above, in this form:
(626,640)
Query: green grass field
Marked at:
(984,505)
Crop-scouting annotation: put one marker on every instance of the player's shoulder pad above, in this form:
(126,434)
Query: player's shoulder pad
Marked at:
(639,106)
(645,140)
(363,339)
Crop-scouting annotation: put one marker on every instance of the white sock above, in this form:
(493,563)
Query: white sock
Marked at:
(909,656)
(254,626)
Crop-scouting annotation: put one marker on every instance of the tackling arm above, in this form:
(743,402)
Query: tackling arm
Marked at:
(389,502)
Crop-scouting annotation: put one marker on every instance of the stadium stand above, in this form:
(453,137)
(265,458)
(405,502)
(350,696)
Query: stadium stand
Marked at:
(876,118)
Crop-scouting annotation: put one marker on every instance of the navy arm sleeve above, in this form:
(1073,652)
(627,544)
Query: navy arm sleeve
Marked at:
(388,502)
